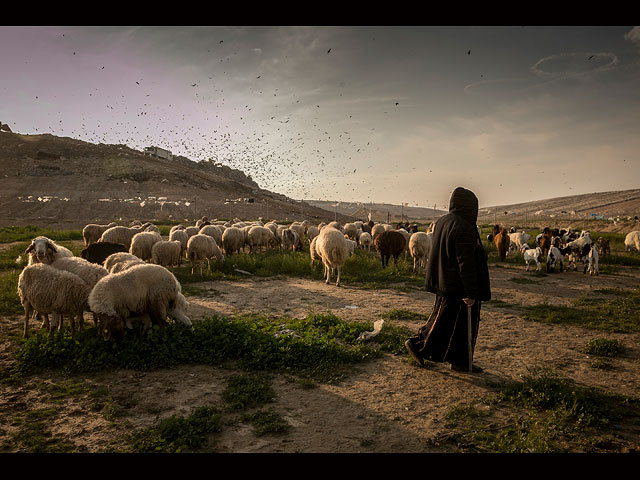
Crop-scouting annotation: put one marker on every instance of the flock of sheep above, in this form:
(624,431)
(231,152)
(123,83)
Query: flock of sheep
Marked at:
(123,275)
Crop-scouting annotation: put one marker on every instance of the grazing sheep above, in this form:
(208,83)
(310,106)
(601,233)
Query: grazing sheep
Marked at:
(180,236)
(312,232)
(554,257)
(350,230)
(406,236)
(632,241)
(365,241)
(142,243)
(213,231)
(123,235)
(166,253)
(202,247)
(191,231)
(290,239)
(351,245)
(98,252)
(144,289)
(120,261)
(419,248)
(299,229)
(531,254)
(389,243)
(45,250)
(89,272)
(313,252)
(49,290)
(259,237)
(592,261)
(376,230)
(232,240)
(92,232)
(502,240)
(331,246)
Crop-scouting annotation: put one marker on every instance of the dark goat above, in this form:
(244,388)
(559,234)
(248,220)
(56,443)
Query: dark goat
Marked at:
(502,241)
(390,243)
(99,251)
(603,246)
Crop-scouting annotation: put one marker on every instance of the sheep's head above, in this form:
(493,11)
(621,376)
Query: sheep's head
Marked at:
(113,327)
(40,247)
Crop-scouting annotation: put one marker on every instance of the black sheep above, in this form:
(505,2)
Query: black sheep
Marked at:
(390,243)
(99,251)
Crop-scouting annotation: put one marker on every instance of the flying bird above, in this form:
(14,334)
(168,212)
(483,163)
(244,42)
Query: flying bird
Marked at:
(328,51)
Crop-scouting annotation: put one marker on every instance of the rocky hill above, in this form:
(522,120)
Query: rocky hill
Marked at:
(61,182)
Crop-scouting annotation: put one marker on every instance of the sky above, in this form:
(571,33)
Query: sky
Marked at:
(361,114)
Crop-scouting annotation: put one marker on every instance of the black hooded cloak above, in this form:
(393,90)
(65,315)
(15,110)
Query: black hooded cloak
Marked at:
(457,269)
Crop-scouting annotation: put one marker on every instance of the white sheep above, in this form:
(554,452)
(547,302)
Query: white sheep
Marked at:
(312,232)
(232,240)
(332,248)
(313,253)
(144,289)
(350,230)
(89,272)
(351,245)
(142,243)
(531,254)
(92,232)
(120,261)
(45,250)
(213,231)
(419,248)
(166,253)
(49,290)
(259,237)
(632,241)
(376,230)
(365,241)
(122,235)
(180,236)
(191,231)
(298,228)
(290,239)
(202,247)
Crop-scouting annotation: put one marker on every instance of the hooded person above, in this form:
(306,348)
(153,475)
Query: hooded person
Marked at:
(458,274)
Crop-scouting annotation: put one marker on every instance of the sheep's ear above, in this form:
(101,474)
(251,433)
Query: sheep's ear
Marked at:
(53,249)
(29,248)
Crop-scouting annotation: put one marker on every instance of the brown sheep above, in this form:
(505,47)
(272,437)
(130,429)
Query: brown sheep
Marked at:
(390,243)
(502,241)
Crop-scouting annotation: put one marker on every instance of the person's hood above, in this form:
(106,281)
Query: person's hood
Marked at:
(464,203)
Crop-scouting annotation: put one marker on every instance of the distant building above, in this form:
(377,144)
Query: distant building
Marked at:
(158,153)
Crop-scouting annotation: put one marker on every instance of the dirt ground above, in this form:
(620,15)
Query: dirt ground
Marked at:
(390,405)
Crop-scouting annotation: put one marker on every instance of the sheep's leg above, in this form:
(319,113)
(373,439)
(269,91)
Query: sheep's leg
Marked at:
(338,279)
(27,313)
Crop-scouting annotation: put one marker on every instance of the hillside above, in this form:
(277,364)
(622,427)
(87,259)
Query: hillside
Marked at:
(380,212)
(612,211)
(61,182)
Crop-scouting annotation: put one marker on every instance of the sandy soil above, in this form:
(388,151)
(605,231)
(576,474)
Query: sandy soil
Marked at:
(390,405)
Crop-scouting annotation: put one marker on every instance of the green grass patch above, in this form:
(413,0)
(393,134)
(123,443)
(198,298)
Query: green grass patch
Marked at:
(267,422)
(248,391)
(616,315)
(604,347)
(179,434)
(29,232)
(543,413)
(9,299)
(322,347)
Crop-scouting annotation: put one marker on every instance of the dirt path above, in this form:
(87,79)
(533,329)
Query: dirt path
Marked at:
(390,405)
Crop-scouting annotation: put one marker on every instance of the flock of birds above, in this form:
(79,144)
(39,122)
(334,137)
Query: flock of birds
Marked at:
(294,149)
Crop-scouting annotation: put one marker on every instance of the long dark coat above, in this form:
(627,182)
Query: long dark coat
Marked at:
(457,269)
